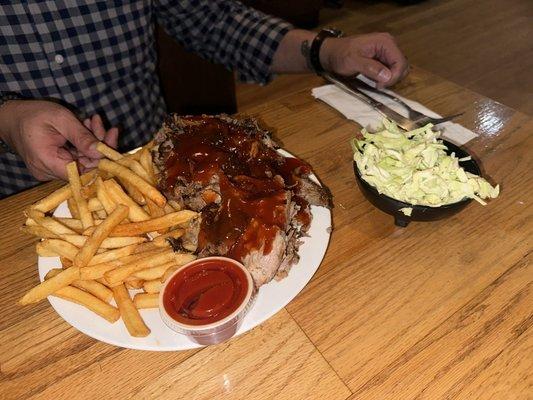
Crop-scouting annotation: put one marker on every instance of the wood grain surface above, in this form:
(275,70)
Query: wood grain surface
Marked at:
(485,45)
(438,310)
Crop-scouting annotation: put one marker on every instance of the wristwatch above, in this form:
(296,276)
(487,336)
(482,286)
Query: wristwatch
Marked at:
(314,51)
(3,99)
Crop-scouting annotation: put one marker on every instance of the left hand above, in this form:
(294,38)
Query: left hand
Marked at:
(375,55)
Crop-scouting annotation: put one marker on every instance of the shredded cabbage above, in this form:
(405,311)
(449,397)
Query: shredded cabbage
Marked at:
(414,167)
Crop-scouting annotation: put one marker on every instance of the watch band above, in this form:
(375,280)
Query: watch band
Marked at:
(314,51)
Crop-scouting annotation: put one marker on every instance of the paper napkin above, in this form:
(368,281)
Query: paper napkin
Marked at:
(360,112)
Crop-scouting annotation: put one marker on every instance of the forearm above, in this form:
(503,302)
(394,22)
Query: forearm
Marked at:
(290,56)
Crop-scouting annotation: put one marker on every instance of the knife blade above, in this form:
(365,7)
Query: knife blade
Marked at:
(399,119)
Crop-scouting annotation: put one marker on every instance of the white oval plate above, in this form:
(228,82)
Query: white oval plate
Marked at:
(271,297)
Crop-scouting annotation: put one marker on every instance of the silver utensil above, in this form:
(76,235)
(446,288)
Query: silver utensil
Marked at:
(400,120)
(413,115)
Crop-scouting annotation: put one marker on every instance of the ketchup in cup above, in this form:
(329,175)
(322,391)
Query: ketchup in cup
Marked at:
(207,299)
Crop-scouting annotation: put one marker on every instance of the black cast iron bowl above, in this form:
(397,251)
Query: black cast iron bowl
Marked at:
(419,213)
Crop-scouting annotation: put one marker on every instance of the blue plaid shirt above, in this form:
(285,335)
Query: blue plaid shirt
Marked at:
(99,56)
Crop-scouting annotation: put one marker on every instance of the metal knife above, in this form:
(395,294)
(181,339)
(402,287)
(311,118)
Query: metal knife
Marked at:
(400,120)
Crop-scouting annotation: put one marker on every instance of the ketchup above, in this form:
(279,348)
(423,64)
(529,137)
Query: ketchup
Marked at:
(205,292)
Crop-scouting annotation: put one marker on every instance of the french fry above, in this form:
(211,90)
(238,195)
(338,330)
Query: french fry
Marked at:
(108,243)
(130,315)
(127,162)
(65,262)
(99,214)
(73,208)
(155,272)
(129,176)
(94,204)
(161,241)
(153,286)
(118,196)
(94,288)
(160,272)
(89,301)
(134,154)
(90,286)
(146,300)
(154,210)
(152,225)
(101,192)
(30,222)
(89,191)
(44,251)
(103,282)
(60,247)
(46,288)
(113,254)
(100,233)
(168,273)
(53,272)
(39,231)
(148,145)
(75,185)
(171,206)
(54,199)
(73,223)
(120,274)
(96,271)
(148,246)
(134,284)
(49,223)
(146,162)
(133,192)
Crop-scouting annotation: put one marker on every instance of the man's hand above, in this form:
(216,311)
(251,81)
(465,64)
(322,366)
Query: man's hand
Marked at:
(375,55)
(48,136)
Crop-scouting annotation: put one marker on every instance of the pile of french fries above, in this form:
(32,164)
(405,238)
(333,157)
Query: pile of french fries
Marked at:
(117,238)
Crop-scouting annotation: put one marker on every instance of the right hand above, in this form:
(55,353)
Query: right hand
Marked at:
(40,131)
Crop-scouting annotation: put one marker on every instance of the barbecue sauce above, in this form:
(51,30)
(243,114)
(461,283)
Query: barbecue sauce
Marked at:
(253,180)
(205,292)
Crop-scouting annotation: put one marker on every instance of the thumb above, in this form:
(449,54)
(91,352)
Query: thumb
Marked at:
(375,70)
(57,165)
(80,137)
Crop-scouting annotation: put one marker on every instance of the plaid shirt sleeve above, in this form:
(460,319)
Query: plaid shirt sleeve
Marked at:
(225,32)
(99,56)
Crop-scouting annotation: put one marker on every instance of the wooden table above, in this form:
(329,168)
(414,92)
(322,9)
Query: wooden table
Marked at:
(435,310)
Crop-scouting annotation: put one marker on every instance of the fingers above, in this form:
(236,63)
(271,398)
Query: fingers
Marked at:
(375,70)
(80,137)
(388,53)
(97,127)
(375,55)
(111,137)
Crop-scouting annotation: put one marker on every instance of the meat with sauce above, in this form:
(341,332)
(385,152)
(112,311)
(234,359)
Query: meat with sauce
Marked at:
(254,203)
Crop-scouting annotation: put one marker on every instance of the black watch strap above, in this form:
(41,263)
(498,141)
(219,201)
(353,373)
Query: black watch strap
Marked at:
(314,51)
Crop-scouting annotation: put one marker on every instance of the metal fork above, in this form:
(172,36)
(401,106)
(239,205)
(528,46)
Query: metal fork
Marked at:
(415,116)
